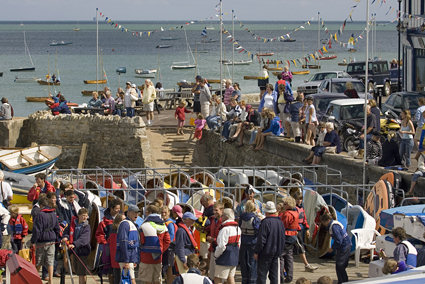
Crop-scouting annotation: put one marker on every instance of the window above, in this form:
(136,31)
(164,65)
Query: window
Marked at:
(398,102)
(352,112)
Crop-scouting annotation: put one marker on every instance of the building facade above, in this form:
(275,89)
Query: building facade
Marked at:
(412,28)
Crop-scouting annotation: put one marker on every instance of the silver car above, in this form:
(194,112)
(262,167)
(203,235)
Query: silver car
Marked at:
(310,86)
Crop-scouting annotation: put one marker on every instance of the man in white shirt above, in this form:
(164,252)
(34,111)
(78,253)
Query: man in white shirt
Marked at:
(5,189)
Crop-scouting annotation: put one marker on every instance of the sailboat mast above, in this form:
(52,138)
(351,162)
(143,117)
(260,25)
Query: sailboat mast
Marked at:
(233,46)
(221,46)
(97,51)
(27,50)
(318,30)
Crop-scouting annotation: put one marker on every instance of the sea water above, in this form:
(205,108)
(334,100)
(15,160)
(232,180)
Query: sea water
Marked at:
(77,62)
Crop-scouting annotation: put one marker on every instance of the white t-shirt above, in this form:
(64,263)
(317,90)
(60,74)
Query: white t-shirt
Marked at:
(268,101)
(5,191)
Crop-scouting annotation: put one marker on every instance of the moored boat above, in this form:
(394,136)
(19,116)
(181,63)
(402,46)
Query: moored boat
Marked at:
(182,66)
(22,69)
(240,62)
(163,46)
(265,54)
(37,99)
(148,73)
(104,81)
(329,57)
(342,63)
(1,74)
(311,66)
(44,82)
(302,72)
(169,38)
(29,160)
(90,93)
(275,68)
(26,80)
(59,43)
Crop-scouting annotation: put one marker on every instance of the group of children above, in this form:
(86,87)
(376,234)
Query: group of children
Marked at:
(180,116)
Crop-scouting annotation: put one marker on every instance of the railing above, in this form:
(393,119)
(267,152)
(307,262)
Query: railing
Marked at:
(133,184)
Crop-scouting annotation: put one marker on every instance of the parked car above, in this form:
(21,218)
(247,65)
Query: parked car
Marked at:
(403,100)
(310,86)
(321,102)
(378,75)
(338,86)
(344,110)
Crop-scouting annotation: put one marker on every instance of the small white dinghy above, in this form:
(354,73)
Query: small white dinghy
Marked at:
(29,160)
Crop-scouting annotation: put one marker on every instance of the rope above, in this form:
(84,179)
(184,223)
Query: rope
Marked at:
(85,267)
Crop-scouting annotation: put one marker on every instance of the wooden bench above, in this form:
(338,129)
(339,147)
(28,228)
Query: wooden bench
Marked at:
(45,154)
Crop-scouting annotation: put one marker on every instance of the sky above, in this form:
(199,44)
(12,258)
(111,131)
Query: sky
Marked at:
(147,10)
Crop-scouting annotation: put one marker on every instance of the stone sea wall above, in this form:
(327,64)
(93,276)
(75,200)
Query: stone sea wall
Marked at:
(111,141)
(212,152)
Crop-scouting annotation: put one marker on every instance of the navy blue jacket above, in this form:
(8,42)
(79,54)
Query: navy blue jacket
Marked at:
(294,110)
(249,234)
(341,239)
(81,238)
(183,246)
(46,227)
(271,238)
(128,243)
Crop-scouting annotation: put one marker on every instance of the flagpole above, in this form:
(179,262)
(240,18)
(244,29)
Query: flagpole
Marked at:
(221,47)
(97,51)
(233,46)
(367,91)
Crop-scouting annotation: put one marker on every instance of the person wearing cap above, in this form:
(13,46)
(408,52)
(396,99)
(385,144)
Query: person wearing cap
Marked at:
(128,242)
(270,245)
(205,98)
(185,241)
(154,241)
(374,149)
(249,224)
(249,195)
(149,96)
(227,252)
(130,98)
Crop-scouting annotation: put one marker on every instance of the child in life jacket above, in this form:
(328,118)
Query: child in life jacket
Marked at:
(303,232)
(18,227)
(290,221)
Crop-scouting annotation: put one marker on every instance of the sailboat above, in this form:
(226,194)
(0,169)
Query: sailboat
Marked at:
(50,80)
(97,81)
(27,51)
(184,65)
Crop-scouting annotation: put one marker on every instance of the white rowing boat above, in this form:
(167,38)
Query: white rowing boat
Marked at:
(29,160)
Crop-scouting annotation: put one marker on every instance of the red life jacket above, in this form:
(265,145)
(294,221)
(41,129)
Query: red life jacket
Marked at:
(301,217)
(72,229)
(189,233)
(175,228)
(19,227)
(291,228)
(232,239)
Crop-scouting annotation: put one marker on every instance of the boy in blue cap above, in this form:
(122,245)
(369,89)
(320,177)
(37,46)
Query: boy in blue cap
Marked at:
(341,245)
(185,241)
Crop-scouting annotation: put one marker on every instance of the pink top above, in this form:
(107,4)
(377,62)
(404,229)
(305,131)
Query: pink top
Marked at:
(228,95)
(200,123)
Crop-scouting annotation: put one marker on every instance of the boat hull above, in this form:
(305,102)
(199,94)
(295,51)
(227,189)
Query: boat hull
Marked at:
(311,66)
(328,57)
(95,82)
(23,69)
(304,72)
(29,160)
(182,67)
(43,82)
(90,93)
(25,80)
(36,99)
